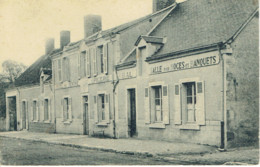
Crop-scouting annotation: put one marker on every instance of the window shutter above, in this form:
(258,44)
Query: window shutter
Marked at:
(147,106)
(94,61)
(165,105)
(105,61)
(70,108)
(107,109)
(31,111)
(177,104)
(88,63)
(200,104)
(95,109)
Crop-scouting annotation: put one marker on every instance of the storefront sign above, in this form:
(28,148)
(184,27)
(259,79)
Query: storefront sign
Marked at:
(185,63)
(127,74)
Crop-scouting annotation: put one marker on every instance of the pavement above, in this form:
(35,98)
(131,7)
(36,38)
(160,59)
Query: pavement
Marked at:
(149,148)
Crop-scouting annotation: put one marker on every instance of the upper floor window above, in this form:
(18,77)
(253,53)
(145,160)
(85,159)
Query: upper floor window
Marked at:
(59,70)
(82,64)
(100,60)
(101,57)
(66,69)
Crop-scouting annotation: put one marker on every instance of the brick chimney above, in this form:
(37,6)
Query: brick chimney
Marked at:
(160,4)
(92,24)
(49,45)
(64,38)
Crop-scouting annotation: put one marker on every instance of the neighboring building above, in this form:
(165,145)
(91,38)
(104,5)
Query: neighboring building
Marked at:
(184,73)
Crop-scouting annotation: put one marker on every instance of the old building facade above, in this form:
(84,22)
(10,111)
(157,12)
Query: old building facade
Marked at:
(187,72)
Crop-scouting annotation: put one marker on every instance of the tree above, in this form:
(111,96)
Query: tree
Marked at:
(11,71)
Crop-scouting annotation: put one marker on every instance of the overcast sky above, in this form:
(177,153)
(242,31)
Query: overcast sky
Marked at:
(25,24)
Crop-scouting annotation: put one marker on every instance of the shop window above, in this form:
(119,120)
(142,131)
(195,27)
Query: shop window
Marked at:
(67,115)
(46,110)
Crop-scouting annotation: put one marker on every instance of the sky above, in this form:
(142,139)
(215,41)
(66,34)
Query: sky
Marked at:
(26,24)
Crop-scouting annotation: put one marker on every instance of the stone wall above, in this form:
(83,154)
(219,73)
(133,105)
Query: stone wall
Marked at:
(243,88)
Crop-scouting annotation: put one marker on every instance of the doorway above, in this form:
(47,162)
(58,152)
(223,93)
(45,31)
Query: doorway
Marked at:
(85,116)
(131,112)
(12,113)
(24,111)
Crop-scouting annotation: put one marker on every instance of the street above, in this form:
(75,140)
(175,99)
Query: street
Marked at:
(22,152)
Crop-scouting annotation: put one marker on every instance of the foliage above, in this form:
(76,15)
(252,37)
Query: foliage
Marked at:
(11,71)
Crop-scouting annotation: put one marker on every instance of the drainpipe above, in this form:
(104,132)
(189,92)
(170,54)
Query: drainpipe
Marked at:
(114,110)
(224,53)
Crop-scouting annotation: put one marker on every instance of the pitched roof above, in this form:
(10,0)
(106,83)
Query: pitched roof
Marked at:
(150,39)
(31,76)
(197,23)
(128,25)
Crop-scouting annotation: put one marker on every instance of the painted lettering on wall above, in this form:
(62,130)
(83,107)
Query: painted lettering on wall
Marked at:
(127,74)
(185,63)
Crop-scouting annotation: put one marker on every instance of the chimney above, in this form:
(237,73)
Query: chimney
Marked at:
(64,38)
(92,24)
(161,4)
(49,45)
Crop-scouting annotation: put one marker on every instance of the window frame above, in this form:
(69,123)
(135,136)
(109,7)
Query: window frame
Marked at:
(36,114)
(48,109)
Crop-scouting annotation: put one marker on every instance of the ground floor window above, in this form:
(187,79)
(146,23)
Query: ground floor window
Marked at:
(65,108)
(34,108)
(157,109)
(101,107)
(189,102)
(46,109)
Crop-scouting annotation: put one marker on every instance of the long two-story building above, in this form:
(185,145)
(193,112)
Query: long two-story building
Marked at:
(187,72)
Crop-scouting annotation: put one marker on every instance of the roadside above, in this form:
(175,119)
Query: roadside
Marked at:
(161,150)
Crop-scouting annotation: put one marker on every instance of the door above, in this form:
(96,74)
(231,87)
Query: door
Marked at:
(12,114)
(24,111)
(132,112)
(85,116)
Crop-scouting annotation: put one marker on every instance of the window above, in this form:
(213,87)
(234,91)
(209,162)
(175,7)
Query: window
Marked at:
(158,103)
(189,94)
(189,102)
(65,108)
(101,105)
(34,109)
(59,70)
(83,64)
(46,109)
(66,69)
(101,108)
(101,58)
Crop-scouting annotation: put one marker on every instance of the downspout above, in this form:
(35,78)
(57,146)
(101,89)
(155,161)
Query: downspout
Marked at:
(114,110)
(224,97)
